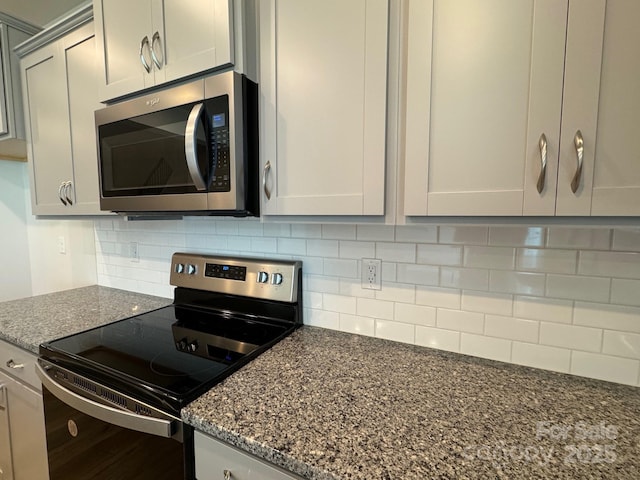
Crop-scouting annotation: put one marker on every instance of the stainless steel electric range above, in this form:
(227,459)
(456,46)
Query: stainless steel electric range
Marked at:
(113,394)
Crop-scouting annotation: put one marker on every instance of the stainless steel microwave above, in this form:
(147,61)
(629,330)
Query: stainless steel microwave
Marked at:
(189,149)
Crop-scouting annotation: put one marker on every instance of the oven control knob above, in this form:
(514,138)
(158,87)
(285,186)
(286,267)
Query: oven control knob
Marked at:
(276,279)
(193,346)
(181,344)
(263,277)
(179,268)
(191,269)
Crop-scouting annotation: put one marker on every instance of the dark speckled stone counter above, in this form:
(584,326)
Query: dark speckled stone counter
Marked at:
(329,405)
(28,322)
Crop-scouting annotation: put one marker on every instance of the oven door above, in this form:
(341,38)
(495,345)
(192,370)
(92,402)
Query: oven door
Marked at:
(88,439)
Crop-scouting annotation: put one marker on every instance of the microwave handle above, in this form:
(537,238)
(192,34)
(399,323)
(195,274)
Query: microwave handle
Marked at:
(191,146)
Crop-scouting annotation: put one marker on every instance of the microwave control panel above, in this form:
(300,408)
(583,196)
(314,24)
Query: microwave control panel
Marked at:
(220,142)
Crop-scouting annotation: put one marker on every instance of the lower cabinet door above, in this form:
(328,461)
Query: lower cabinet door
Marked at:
(27,431)
(215,460)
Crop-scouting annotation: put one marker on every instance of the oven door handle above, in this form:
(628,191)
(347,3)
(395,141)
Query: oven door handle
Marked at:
(114,416)
(191,146)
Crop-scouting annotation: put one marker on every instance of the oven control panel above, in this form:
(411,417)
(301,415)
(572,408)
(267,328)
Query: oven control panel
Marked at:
(250,277)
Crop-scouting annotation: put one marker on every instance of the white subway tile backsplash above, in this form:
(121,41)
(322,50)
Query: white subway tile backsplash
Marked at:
(611,317)
(485,347)
(292,246)
(605,367)
(621,344)
(303,230)
(357,325)
(418,274)
(464,278)
(547,309)
(516,282)
(323,248)
(339,303)
(417,233)
(374,308)
(459,320)
(378,233)
(517,236)
(571,336)
(546,260)
(440,254)
(541,356)
(610,264)
(350,249)
(438,338)
(415,314)
(511,328)
(626,239)
(339,232)
(625,292)
(487,302)
(397,292)
(320,283)
(321,318)
(340,267)
(455,287)
(579,238)
(396,252)
(438,297)
(396,331)
(489,257)
(464,235)
(578,288)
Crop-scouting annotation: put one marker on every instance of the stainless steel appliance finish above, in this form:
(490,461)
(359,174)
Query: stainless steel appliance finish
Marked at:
(113,394)
(192,148)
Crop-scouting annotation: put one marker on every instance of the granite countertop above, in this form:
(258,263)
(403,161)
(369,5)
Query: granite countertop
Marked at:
(28,322)
(330,405)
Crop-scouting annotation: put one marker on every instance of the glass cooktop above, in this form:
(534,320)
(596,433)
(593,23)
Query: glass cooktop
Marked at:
(175,351)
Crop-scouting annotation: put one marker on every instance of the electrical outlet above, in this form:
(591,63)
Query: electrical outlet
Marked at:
(133,252)
(371,274)
(62,245)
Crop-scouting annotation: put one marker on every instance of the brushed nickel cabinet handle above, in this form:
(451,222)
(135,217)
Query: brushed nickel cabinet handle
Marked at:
(227,475)
(156,39)
(542,144)
(16,366)
(68,192)
(267,169)
(62,185)
(145,64)
(578,141)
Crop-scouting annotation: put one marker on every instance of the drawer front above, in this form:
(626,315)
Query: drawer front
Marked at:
(19,363)
(215,458)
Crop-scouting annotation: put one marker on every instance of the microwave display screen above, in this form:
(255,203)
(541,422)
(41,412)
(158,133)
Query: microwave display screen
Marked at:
(218,120)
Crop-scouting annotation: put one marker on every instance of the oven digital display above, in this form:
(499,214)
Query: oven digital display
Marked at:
(229,272)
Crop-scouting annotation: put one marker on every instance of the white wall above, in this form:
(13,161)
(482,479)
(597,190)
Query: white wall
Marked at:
(38,12)
(15,274)
(558,298)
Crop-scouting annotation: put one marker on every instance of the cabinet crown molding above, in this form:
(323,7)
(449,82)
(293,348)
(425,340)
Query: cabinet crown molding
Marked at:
(58,28)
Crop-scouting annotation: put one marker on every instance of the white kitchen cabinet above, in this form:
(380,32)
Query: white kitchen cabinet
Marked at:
(61,95)
(23,449)
(149,42)
(323,86)
(484,83)
(12,32)
(215,460)
(602,101)
(497,89)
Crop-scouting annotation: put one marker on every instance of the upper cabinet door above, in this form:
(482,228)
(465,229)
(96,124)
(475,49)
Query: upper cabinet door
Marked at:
(124,36)
(602,102)
(323,80)
(483,106)
(197,36)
